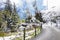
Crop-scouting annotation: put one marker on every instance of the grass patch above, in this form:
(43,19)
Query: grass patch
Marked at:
(2,34)
(38,29)
(18,38)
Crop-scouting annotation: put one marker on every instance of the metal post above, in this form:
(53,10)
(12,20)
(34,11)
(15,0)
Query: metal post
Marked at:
(40,27)
(35,31)
(24,34)
(3,37)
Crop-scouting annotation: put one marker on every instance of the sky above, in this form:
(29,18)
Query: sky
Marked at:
(21,5)
(52,4)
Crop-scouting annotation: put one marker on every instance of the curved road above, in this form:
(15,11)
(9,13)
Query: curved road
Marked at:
(48,33)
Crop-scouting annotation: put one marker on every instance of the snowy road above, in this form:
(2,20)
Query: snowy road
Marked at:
(48,33)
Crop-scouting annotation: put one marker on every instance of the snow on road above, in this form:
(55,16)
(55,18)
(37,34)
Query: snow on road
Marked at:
(48,33)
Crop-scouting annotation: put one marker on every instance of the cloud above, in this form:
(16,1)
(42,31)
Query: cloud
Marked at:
(53,6)
(17,2)
(51,3)
(29,1)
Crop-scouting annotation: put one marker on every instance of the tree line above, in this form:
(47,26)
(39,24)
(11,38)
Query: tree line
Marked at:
(9,18)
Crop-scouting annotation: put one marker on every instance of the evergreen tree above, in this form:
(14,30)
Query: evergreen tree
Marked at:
(9,18)
(7,13)
(0,19)
(15,19)
(8,6)
(14,15)
(39,16)
(29,16)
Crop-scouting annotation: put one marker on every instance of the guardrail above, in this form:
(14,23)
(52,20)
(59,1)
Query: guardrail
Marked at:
(31,33)
(25,34)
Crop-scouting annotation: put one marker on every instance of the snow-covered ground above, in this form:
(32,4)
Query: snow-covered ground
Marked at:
(53,25)
(49,32)
(17,35)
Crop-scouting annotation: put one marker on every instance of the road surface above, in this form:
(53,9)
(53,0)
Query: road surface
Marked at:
(48,33)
